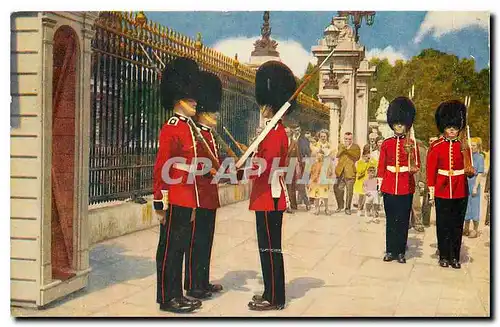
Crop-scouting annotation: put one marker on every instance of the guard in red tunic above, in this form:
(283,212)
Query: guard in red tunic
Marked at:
(274,84)
(174,197)
(397,164)
(447,170)
(197,264)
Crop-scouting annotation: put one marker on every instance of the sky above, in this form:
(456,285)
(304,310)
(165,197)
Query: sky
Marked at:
(394,34)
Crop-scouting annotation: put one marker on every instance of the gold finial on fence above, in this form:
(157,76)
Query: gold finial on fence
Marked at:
(141,18)
(236,63)
(198,44)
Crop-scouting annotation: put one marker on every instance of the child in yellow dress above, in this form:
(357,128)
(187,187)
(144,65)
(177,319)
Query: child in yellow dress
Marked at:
(361,175)
(318,189)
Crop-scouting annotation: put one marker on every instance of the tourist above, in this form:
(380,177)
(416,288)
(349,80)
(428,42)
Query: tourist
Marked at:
(345,172)
(417,209)
(371,194)
(474,199)
(305,153)
(362,166)
(319,188)
(487,198)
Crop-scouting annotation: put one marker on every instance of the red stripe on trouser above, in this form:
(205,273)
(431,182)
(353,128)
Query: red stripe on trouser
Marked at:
(165,257)
(191,255)
(271,257)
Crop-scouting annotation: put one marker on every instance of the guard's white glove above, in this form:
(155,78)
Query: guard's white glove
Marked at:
(431,196)
(160,207)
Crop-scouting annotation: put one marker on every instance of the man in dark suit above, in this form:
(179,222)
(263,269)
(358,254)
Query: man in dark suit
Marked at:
(304,152)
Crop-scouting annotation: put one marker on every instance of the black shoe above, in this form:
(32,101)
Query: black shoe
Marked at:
(264,306)
(401,258)
(199,294)
(258,298)
(347,211)
(178,306)
(455,264)
(194,302)
(338,210)
(388,257)
(215,288)
(443,263)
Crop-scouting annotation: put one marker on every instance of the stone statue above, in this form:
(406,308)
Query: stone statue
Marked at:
(381,117)
(331,82)
(265,46)
(266,28)
(381,113)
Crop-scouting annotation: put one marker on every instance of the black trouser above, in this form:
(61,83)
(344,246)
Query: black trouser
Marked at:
(292,195)
(269,225)
(197,263)
(450,215)
(397,212)
(174,240)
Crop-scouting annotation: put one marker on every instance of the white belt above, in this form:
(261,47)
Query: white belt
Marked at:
(184,167)
(450,172)
(402,169)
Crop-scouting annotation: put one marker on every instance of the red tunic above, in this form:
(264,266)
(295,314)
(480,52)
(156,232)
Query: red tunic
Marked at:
(393,167)
(209,193)
(274,145)
(176,140)
(445,169)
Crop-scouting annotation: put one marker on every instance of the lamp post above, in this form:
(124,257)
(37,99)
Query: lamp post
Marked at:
(356,17)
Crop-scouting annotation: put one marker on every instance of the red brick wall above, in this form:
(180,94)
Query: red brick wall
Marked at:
(63,150)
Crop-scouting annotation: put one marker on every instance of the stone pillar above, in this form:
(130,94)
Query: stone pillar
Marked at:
(363,78)
(334,102)
(340,74)
(81,23)
(348,123)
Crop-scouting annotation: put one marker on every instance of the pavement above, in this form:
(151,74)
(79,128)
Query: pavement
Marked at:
(333,268)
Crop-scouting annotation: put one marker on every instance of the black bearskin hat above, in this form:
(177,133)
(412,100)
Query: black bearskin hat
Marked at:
(401,110)
(179,81)
(209,93)
(274,85)
(451,114)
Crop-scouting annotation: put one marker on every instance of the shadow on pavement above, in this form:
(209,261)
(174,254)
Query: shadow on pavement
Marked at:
(298,287)
(235,280)
(464,253)
(414,247)
(110,266)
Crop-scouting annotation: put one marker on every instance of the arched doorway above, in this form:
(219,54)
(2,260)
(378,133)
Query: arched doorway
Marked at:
(64,100)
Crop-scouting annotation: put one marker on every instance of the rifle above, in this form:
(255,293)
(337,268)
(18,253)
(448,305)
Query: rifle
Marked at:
(410,136)
(226,147)
(233,139)
(468,159)
(281,112)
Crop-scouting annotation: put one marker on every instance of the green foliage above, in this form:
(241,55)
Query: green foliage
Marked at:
(437,77)
(312,87)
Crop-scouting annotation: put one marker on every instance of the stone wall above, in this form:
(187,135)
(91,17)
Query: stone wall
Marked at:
(119,218)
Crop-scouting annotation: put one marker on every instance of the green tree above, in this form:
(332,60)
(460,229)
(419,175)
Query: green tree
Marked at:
(312,87)
(437,77)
